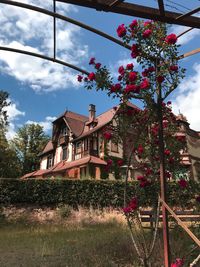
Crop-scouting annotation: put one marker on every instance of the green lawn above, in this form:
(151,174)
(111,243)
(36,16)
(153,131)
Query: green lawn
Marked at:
(103,245)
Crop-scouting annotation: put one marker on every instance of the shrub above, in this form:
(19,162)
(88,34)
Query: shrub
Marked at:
(87,193)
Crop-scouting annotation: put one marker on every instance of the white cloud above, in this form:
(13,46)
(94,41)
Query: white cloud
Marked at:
(13,115)
(188,99)
(46,124)
(187,37)
(32,31)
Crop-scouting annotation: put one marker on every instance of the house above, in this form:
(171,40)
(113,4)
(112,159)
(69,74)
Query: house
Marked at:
(77,147)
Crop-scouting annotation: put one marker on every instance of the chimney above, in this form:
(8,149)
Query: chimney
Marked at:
(92,112)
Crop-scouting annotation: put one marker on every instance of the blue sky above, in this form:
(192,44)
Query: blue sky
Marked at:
(41,90)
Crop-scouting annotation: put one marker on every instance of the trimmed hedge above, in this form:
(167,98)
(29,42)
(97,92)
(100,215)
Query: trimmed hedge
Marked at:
(101,193)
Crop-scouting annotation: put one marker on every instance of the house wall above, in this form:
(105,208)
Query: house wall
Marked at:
(43,163)
(70,150)
(58,155)
(193,144)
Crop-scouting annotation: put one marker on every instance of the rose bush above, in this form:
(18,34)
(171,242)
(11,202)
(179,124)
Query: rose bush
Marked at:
(140,130)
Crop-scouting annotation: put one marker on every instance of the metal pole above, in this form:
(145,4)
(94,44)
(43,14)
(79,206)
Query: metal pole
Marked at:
(163,184)
(54,30)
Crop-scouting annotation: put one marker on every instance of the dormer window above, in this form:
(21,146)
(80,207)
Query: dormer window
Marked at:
(63,131)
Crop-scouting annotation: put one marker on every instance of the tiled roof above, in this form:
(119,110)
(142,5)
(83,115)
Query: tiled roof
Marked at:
(48,148)
(63,165)
(102,120)
(78,162)
(75,121)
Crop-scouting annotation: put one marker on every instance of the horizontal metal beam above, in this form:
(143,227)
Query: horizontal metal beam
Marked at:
(137,11)
(64,18)
(20,51)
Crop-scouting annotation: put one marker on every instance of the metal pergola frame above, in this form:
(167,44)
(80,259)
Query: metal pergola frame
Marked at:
(125,8)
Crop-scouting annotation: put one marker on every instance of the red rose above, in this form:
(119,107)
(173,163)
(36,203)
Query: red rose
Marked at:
(121,70)
(167,152)
(145,84)
(109,162)
(107,135)
(182,183)
(174,68)
(129,66)
(91,76)
(97,66)
(115,88)
(121,30)
(147,33)
(151,69)
(92,61)
(169,103)
(140,149)
(131,88)
(145,73)
(134,48)
(198,199)
(160,79)
(120,162)
(147,23)
(134,54)
(80,78)
(132,76)
(131,206)
(133,24)
(171,38)
(144,183)
(141,178)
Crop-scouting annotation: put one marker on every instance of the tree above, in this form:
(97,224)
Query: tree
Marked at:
(3,113)
(28,142)
(9,163)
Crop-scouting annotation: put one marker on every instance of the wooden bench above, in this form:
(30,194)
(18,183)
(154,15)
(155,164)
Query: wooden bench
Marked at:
(185,216)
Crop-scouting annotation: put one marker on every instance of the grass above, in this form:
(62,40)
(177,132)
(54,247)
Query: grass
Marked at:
(80,243)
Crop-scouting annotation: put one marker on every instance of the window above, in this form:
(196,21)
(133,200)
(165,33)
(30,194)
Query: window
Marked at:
(78,147)
(114,147)
(86,144)
(64,153)
(63,130)
(49,161)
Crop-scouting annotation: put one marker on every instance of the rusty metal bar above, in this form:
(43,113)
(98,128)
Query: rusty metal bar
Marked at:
(189,13)
(54,30)
(163,183)
(20,51)
(64,18)
(116,2)
(161,7)
(130,9)
(191,53)
(188,30)
(183,225)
